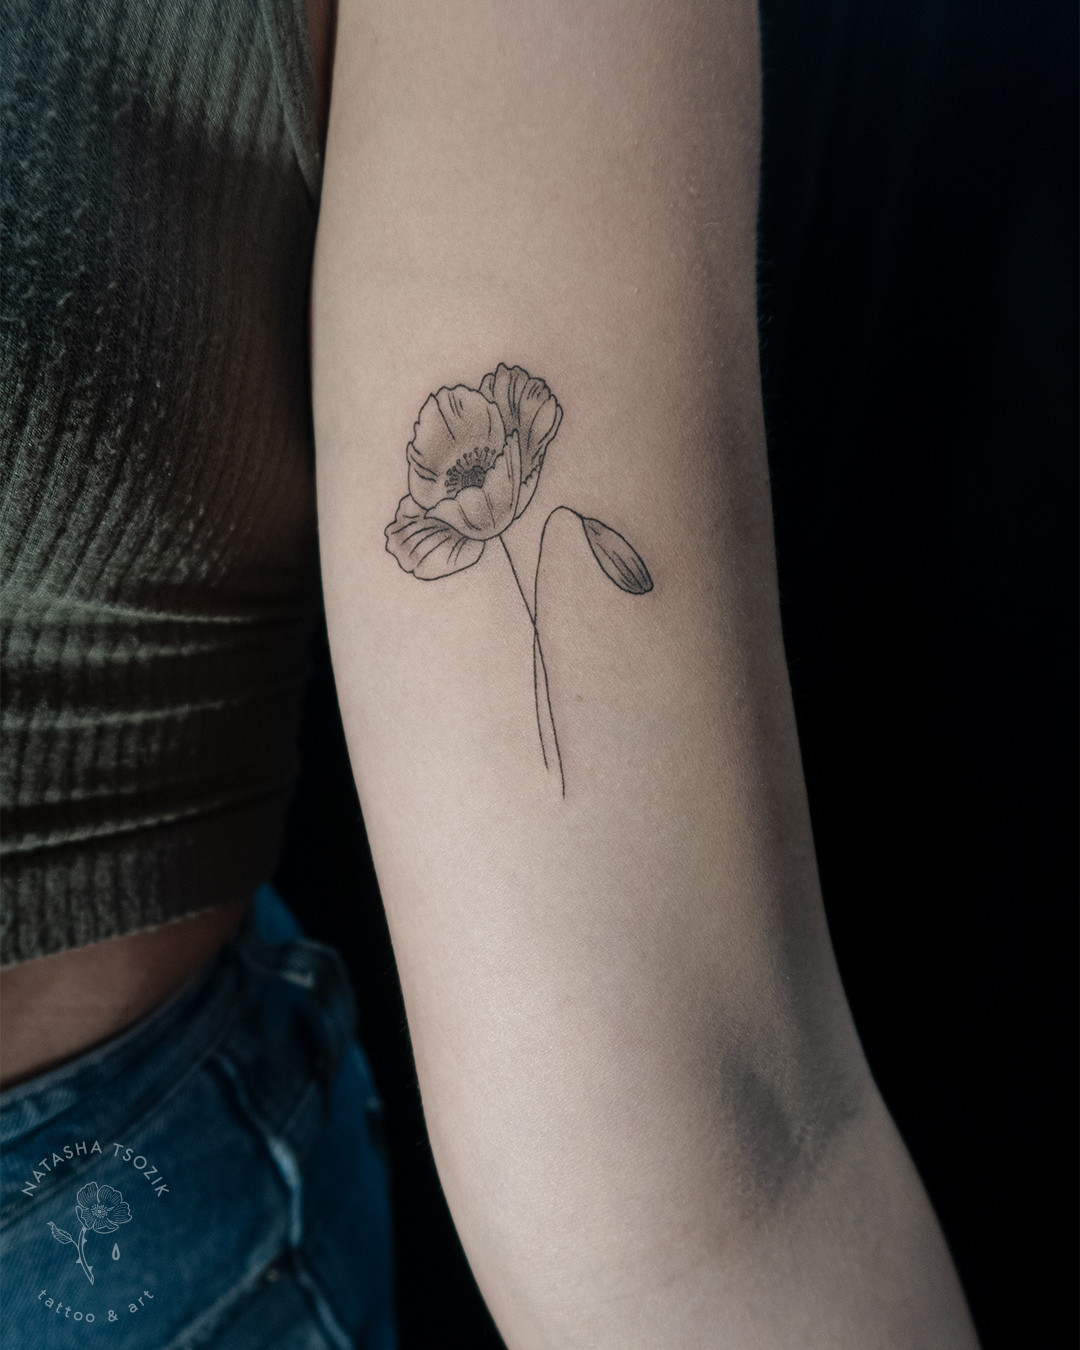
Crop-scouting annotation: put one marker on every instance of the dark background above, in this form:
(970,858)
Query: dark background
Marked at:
(918,319)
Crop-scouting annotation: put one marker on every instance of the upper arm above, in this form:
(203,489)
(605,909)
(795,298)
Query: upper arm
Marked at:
(570,189)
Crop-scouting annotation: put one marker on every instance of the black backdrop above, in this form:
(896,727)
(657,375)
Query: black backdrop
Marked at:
(918,317)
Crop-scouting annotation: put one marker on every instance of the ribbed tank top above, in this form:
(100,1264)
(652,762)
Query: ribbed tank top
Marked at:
(160,178)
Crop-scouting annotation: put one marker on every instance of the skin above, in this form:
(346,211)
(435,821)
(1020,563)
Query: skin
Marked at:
(648,1104)
(59,1006)
(650,1111)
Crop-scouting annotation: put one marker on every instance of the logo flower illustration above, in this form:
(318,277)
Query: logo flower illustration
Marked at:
(474,462)
(100,1209)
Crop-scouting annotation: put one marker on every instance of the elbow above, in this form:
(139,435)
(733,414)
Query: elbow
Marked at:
(784,1117)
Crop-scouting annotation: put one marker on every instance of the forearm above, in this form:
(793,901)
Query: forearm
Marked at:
(648,1106)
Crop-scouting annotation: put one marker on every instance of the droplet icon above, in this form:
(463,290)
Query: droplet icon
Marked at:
(115,1252)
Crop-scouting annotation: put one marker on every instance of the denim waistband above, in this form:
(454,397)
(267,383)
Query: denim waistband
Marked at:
(211,1174)
(267,981)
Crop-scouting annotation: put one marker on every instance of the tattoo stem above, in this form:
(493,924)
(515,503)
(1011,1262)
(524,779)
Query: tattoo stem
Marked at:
(539,666)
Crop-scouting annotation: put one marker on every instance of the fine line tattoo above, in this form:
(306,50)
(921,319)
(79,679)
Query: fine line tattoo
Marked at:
(474,462)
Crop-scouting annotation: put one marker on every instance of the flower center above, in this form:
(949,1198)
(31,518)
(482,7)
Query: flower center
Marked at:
(473,477)
(470,470)
(99,1211)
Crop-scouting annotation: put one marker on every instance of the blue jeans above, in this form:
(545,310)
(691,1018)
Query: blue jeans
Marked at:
(213,1176)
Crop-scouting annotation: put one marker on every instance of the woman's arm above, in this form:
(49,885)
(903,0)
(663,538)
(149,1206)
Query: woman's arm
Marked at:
(648,1105)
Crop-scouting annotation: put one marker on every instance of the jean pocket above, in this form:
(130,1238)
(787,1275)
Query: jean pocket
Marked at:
(274,1310)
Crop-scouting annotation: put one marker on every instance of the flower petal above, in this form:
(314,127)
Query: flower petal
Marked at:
(427,547)
(451,423)
(483,512)
(87,1194)
(513,459)
(528,407)
(539,416)
(528,487)
(109,1195)
(425,491)
(464,514)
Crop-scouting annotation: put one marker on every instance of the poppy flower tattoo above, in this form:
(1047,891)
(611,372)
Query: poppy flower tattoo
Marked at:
(474,463)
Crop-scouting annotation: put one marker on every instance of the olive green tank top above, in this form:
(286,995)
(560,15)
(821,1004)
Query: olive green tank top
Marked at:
(161,170)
